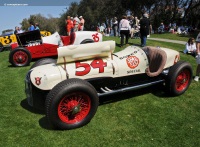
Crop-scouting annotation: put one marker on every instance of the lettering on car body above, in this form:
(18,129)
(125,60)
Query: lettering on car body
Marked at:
(133,71)
(121,58)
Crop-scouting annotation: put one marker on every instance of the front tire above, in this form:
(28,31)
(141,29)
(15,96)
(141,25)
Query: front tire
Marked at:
(71,104)
(179,78)
(20,57)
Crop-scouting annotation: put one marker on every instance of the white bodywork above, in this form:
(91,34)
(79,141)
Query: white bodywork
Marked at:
(82,35)
(53,39)
(95,60)
(79,37)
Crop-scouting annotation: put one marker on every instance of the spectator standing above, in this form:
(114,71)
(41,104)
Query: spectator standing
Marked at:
(76,21)
(132,25)
(72,25)
(20,30)
(161,28)
(115,26)
(68,25)
(82,22)
(37,26)
(124,28)
(190,47)
(16,30)
(137,21)
(144,29)
(196,78)
(32,27)
(101,29)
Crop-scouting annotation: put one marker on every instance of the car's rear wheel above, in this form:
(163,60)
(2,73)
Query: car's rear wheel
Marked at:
(71,104)
(20,57)
(1,47)
(43,61)
(179,78)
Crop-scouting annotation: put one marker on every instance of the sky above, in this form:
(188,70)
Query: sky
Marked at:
(12,12)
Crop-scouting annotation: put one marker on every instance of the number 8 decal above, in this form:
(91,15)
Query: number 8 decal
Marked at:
(97,63)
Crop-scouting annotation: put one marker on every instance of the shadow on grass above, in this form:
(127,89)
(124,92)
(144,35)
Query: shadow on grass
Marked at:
(43,122)
(156,90)
(26,106)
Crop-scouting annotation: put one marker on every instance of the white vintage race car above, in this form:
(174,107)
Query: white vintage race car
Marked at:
(69,90)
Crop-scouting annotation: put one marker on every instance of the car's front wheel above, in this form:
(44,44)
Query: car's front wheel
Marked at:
(20,57)
(179,78)
(71,104)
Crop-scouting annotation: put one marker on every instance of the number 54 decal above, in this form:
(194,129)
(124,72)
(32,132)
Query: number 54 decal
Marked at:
(97,63)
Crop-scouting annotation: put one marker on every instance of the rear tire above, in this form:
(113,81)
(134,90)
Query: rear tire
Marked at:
(43,61)
(71,104)
(179,78)
(20,57)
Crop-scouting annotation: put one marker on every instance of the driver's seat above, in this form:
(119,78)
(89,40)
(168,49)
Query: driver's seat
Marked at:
(157,59)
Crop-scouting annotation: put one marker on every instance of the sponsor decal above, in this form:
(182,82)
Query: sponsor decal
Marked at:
(95,37)
(132,62)
(38,80)
(133,71)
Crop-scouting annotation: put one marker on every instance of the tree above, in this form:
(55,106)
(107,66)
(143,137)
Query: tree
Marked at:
(49,24)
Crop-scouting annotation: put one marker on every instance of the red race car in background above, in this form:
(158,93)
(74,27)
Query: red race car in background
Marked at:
(31,45)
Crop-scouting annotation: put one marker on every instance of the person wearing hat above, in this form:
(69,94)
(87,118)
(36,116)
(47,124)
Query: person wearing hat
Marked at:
(144,29)
(68,25)
(81,24)
(76,21)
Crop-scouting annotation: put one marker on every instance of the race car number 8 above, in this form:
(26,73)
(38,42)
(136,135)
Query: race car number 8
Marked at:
(97,63)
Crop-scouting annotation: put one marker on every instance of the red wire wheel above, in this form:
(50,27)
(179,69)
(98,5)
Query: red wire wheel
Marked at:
(183,80)
(179,78)
(74,107)
(20,57)
(71,104)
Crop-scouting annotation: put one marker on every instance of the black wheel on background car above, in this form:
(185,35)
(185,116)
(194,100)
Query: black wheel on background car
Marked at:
(20,57)
(43,61)
(179,78)
(71,104)
(1,47)
(87,41)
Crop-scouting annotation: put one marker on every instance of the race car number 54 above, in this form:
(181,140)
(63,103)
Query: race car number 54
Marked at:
(86,68)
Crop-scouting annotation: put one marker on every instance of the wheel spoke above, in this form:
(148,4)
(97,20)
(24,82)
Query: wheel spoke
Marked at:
(74,107)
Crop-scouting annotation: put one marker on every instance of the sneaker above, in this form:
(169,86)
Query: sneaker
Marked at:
(196,78)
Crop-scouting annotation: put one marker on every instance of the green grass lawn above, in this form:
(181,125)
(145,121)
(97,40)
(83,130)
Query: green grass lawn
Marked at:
(175,36)
(143,118)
